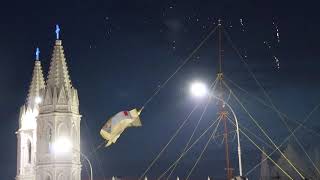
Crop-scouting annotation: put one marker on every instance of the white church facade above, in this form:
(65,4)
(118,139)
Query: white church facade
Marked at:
(50,115)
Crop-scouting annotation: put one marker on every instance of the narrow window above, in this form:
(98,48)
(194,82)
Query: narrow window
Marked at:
(29,151)
(49,140)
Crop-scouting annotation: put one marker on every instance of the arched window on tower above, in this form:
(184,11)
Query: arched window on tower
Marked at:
(63,130)
(29,151)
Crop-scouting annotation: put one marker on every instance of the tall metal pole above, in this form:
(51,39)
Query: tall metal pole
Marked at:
(237,131)
(220,50)
(223,116)
(220,78)
(223,113)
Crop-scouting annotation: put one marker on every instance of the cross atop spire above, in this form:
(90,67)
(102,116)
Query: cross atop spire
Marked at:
(37,54)
(57,31)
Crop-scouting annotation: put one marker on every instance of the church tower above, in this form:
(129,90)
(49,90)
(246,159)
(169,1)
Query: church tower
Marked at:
(27,133)
(58,122)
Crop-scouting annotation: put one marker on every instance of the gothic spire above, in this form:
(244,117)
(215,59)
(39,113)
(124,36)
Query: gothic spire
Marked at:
(37,83)
(58,73)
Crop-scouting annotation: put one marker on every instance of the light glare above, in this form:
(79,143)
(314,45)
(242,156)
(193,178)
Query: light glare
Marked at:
(38,100)
(62,145)
(198,89)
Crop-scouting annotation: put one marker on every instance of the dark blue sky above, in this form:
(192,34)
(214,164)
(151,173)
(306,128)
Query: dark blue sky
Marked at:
(118,52)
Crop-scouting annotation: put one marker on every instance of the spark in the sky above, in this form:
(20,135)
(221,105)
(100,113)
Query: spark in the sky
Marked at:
(242,25)
(174,45)
(277,62)
(267,44)
(277,32)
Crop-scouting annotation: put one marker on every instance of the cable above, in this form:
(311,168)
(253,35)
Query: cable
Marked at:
(265,104)
(172,137)
(262,130)
(96,159)
(262,151)
(195,142)
(253,134)
(247,92)
(196,127)
(271,103)
(204,149)
(179,67)
(178,130)
(97,148)
(284,115)
(288,137)
(259,84)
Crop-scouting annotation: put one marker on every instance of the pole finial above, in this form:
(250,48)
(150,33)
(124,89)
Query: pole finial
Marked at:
(57,31)
(37,54)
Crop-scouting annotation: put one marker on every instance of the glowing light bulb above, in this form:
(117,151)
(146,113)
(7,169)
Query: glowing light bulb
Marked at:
(198,89)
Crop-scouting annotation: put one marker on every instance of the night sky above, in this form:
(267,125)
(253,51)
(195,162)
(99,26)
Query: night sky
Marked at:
(119,52)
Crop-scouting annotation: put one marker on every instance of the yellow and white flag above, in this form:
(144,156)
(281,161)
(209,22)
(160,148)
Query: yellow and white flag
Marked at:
(114,127)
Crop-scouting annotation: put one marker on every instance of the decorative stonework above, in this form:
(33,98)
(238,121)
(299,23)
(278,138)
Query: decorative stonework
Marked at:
(58,73)
(58,117)
(27,133)
(37,84)
(41,123)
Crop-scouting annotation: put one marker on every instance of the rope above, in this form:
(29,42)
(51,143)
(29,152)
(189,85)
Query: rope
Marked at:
(265,104)
(197,125)
(256,145)
(96,148)
(95,158)
(195,142)
(287,138)
(247,92)
(204,149)
(179,67)
(262,130)
(178,130)
(269,99)
(272,105)
(172,137)
(253,134)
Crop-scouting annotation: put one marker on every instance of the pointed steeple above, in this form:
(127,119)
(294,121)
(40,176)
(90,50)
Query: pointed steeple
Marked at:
(58,73)
(37,83)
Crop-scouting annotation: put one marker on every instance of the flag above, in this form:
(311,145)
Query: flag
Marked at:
(115,126)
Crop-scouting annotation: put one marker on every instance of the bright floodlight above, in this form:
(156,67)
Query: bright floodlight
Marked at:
(38,100)
(62,145)
(198,89)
